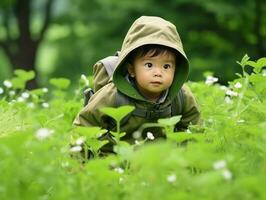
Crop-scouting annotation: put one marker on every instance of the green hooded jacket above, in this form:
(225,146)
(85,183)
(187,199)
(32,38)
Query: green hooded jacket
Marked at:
(145,30)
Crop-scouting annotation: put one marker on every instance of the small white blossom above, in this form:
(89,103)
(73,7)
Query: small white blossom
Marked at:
(136,134)
(238,85)
(171,178)
(188,131)
(137,142)
(65,164)
(240,121)
(228,100)
(143,183)
(1,90)
(12,93)
(12,101)
(25,95)
(45,90)
(223,88)
(80,141)
(30,105)
(20,99)
(227,174)
(150,136)
(210,80)
(77,91)
(210,120)
(75,149)
(221,164)
(119,170)
(45,105)
(7,83)
(231,93)
(43,133)
(264,72)
(84,78)
(121,180)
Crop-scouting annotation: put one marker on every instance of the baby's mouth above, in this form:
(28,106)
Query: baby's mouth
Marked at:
(156,82)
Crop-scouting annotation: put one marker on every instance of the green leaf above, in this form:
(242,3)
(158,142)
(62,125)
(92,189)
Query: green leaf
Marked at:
(21,78)
(257,66)
(170,121)
(118,113)
(60,83)
(38,92)
(24,75)
(96,144)
(262,62)
(183,136)
(244,61)
(90,132)
(118,135)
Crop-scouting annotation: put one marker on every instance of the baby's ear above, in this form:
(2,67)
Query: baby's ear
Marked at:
(130,69)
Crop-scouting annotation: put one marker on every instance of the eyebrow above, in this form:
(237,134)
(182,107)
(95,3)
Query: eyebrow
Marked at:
(166,60)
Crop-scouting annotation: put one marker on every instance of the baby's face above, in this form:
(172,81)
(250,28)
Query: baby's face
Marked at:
(153,74)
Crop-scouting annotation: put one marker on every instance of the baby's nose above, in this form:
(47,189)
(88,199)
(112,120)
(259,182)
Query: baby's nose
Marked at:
(157,71)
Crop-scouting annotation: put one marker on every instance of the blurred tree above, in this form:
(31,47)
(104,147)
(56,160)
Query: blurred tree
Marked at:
(18,41)
(214,33)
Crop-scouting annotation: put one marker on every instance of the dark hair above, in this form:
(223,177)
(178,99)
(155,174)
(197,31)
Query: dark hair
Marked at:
(151,49)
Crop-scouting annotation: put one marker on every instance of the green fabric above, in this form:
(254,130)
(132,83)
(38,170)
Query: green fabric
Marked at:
(151,30)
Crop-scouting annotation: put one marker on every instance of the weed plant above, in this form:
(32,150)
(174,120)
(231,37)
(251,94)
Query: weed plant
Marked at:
(222,158)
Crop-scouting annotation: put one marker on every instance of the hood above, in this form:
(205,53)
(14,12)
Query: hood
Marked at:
(151,30)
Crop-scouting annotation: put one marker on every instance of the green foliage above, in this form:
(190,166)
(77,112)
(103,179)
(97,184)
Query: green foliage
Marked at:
(42,154)
(60,83)
(21,78)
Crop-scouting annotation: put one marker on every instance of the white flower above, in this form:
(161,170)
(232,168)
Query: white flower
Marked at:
(75,149)
(137,142)
(1,90)
(171,178)
(240,121)
(84,78)
(136,134)
(121,180)
(143,183)
(7,83)
(228,100)
(221,164)
(223,88)
(25,95)
(210,80)
(65,164)
(43,133)
(119,170)
(238,85)
(12,93)
(30,105)
(45,105)
(12,101)
(231,93)
(188,131)
(264,72)
(20,99)
(227,174)
(80,141)
(45,90)
(150,136)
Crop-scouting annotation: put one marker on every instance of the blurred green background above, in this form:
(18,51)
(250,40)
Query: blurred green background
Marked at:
(64,38)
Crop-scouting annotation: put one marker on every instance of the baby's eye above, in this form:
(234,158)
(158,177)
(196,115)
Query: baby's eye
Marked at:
(167,66)
(148,65)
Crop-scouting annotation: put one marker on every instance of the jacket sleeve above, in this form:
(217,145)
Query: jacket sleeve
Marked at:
(91,115)
(191,112)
